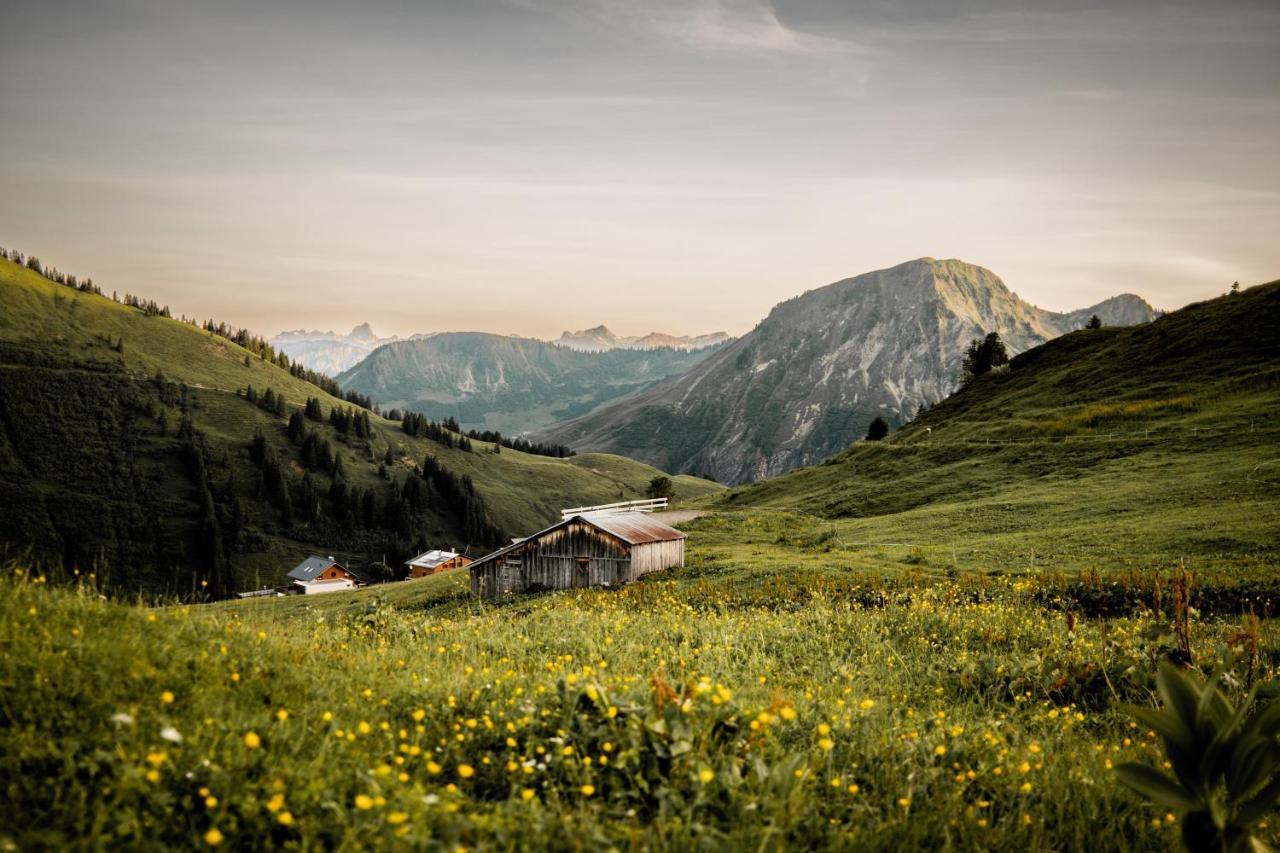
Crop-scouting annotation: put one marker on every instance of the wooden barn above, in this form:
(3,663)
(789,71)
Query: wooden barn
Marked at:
(581,551)
(431,562)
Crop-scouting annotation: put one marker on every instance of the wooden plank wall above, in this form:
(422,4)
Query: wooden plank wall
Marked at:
(578,555)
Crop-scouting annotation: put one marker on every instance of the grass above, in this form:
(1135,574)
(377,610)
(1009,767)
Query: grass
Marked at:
(717,705)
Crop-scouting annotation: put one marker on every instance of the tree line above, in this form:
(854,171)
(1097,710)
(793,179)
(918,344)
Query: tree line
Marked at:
(497,439)
(449,433)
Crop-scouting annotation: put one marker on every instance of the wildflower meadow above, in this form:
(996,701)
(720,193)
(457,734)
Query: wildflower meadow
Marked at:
(685,711)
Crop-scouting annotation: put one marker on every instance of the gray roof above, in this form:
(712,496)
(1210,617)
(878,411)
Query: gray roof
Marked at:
(431,559)
(633,528)
(310,568)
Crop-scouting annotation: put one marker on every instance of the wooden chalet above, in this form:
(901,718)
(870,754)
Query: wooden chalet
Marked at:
(318,574)
(592,549)
(432,562)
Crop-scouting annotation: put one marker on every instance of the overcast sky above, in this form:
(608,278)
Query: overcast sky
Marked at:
(528,166)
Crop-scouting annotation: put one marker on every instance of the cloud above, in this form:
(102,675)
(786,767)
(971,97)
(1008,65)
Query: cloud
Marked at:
(712,25)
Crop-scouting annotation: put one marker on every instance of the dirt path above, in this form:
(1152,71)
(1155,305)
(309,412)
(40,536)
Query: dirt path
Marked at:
(675,516)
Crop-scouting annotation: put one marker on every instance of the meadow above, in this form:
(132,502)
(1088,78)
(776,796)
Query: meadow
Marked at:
(781,691)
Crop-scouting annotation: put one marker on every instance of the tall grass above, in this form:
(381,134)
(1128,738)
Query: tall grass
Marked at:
(676,713)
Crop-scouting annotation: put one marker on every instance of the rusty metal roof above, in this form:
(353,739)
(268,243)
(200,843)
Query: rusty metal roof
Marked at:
(633,528)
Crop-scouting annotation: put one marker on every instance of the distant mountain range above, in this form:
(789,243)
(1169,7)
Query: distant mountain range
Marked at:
(332,353)
(601,339)
(329,352)
(807,381)
(509,384)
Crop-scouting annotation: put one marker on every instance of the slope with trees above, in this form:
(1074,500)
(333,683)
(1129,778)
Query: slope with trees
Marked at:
(173,460)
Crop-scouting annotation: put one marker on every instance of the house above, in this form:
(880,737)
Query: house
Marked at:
(592,549)
(431,562)
(320,574)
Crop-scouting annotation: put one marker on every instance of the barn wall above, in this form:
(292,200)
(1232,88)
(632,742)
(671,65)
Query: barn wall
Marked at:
(654,556)
(574,556)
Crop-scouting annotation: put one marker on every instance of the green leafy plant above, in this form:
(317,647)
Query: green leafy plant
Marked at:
(1225,760)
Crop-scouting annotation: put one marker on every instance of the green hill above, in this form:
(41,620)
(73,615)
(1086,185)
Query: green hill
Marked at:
(1151,442)
(98,470)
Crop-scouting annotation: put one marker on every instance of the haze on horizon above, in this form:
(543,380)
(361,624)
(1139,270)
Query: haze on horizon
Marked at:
(530,166)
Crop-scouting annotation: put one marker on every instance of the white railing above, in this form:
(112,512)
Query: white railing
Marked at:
(648,505)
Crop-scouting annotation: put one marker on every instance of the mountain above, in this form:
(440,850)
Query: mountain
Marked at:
(130,445)
(329,352)
(810,377)
(601,339)
(504,383)
(1141,446)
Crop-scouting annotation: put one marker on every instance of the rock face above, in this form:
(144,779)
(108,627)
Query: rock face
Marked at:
(328,352)
(807,381)
(506,383)
(601,339)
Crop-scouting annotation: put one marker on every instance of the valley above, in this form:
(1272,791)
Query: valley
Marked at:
(508,384)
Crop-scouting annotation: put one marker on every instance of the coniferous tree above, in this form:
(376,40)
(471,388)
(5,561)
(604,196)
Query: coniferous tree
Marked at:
(297,428)
(878,429)
(983,356)
(1095,322)
(324,456)
(258,448)
(308,500)
(310,453)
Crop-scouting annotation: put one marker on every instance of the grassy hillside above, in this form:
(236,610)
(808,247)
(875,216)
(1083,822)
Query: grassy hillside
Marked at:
(1143,444)
(92,477)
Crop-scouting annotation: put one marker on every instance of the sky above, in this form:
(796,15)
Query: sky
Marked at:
(531,166)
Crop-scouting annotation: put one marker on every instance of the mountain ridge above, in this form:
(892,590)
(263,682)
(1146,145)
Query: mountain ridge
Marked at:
(329,352)
(601,338)
(807,380)
(507,383)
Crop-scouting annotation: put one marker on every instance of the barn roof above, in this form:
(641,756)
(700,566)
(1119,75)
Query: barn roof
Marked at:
(311,568)
(633,528)
(431,559)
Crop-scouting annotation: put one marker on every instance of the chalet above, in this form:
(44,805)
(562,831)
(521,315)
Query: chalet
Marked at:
(431,562)
(590,549)
(320,574)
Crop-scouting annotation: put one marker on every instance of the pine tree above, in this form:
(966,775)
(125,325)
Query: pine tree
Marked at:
(878,429)
(983,356)
(297,428)
(1095,322)
(258,448)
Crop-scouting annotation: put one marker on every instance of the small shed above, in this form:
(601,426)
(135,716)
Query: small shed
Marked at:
(581,551)
(431,562)
(318,574)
